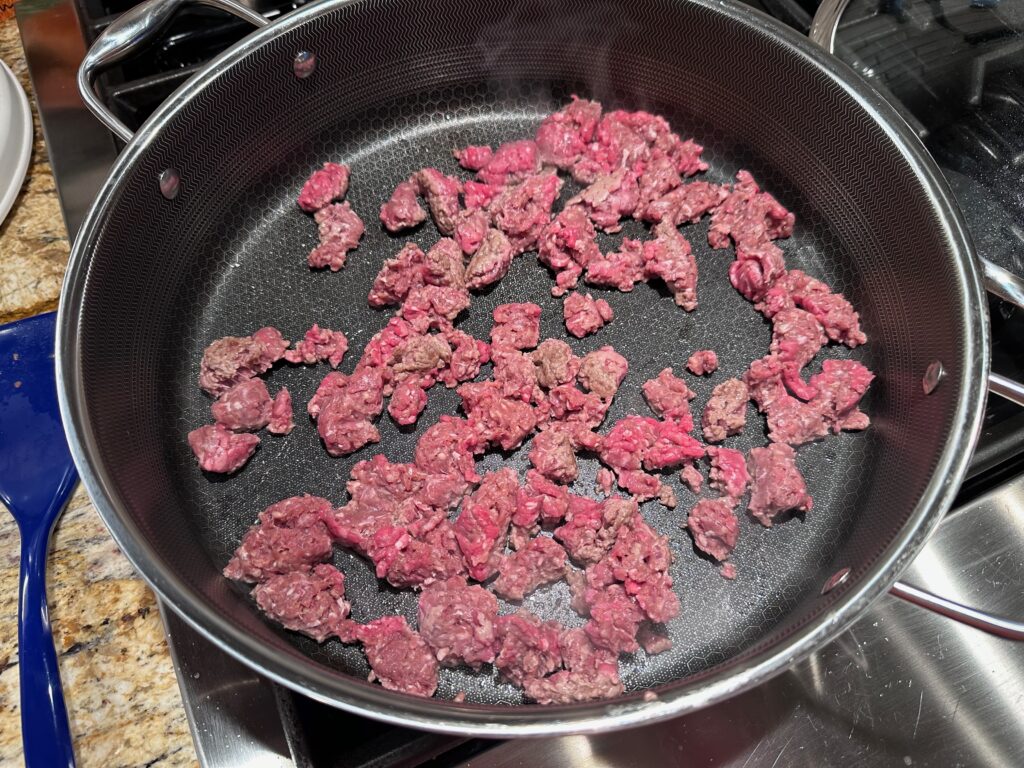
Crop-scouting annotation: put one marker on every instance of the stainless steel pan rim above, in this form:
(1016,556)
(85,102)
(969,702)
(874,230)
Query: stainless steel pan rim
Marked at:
(467,719)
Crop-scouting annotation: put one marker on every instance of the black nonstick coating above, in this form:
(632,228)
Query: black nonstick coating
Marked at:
(228,256)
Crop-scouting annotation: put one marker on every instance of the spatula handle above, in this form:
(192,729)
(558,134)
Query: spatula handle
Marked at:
(44,719)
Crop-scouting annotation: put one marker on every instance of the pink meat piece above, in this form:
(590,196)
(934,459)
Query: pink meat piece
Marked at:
(609,199)
(324,185)
(703,362)
(567,245)
(714,527)
(554,363)
(796,338)
(442,264)
(726,411)
(626,442)
(541,501)
(311,602)
(381,347)
(490,262)
(620,269)
(442,195)
(615,618)
(470,228)
(672,447)
(511,162)
(433,306)
(571,407)
(420,356)
(748,216)
(652,639)
(542,561)
(685,204)
(563,136)
(218,449)
(516,326)
(832,310)
(331,384)
(527,647)
(728,473)
(640,559)
(408,556)
(776,484)
(233,359)
(602,371)
(403,209)
(446,448)
(757,266)
(669,397)
(657,177)
(457,621)
(468,354)
(523,211)
(478,196)
(553,456)
(585,315)
(789,420)
(473,157)
(482,526)
(668,258)
(291,535)
(666,496)
(282,421)
(344,419)
(397,277)
(319,345)
(399,657)
(692,477)
(494,418)
(340,230)
(514,374)
(592,526)
(243,408)
(590,673)
(840,386)
(407,402)
(639,484)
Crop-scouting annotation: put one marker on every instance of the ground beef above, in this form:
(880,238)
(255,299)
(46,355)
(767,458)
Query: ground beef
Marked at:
(397,277)
(243,408)
(840,386)
(571,407)
(522,211)
(344,420)
(281,419)
(468,354)
(584,315)
(554,363)
(542,501)
(482,526)
(516,326)
(446,448)
(491,261)
(789,420)
(411,556)
(776,484)
(685,204)
(512,161)
(563,136)
(477,196)
(757,266)
(323,186)
(615,618)
(340,230)
(552,454)
(611,197)
(726,411)
(593,526)
(590,673)
(640,560)
(433,306)
(497,420)
(657,177)
(310,601)
(728,473)
(319,345)
(331,384)
(832,310)
(457,621)
(527,647)
(702,362)
(291,535)
(714,527)
(233,359)
(669,397)
(667,497)
(668,258)
(748,216)
(442,195)
(407,402)
(470,229)
(602,371)
(542,561)
(420,356)
(515,374)
(219,450)
(399,658)
(473,157)
(403,210)
(796,338)
(672,447)
(620,269)
(567,245)
(691,477)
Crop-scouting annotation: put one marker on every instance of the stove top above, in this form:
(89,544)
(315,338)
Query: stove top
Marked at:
(904,685)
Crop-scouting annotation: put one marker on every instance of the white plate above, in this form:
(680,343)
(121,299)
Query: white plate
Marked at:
(15,138)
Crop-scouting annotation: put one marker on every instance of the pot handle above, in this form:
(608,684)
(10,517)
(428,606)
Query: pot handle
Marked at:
(129,31)
(999,282)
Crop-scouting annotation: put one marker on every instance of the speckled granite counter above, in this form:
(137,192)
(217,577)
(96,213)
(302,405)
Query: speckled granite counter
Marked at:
(119,683)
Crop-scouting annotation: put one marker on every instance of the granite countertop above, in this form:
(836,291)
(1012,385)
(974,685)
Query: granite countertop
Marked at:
(119,682)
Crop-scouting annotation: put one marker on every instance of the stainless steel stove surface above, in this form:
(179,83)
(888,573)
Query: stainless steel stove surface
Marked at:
(904,686)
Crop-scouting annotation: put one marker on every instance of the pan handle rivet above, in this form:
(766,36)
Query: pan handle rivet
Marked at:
(933,376)
(304,64)
(170,183)
(835,580)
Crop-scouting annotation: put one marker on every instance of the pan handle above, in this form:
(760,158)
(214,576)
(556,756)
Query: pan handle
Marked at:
(133,29)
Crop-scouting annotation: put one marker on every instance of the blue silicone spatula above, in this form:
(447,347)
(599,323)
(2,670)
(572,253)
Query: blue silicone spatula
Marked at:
(37,476)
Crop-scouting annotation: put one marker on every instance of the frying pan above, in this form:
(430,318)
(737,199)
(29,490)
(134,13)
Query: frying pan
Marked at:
(196,235)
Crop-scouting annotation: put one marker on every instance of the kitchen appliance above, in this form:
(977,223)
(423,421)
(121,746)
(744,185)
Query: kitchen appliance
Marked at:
(302,708)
